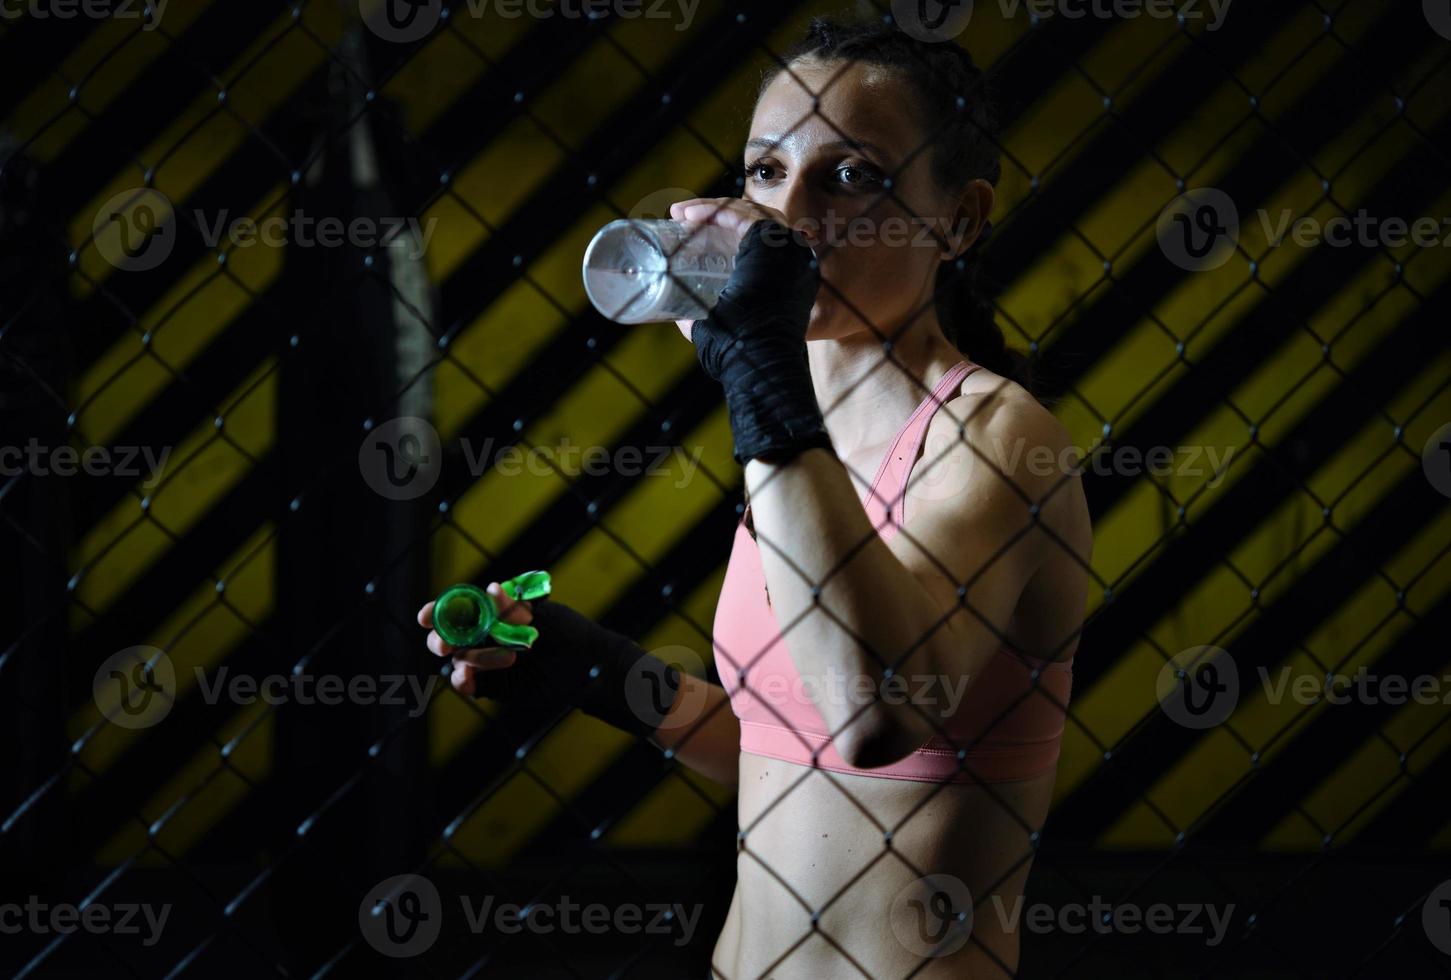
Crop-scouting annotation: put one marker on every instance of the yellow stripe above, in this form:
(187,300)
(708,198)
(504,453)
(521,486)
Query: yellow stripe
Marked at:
(1348,788)
(1218,760)
(211,790)
(451,62)
(119,549)
(525,156)
(676,811)
(196,635)
(1058,286)
(112,56)
(196,310)
(525,318)
(1222,596)
(1125,693)
(203,137)
(187,319)
(1137,526)
(1370,781)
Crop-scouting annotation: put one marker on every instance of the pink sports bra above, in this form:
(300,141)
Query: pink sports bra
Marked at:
(1008,723)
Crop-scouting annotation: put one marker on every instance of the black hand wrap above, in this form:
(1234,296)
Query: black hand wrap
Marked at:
(754,344)
(578,662)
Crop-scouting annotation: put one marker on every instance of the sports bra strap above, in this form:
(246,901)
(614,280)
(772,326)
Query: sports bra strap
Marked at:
(887,499)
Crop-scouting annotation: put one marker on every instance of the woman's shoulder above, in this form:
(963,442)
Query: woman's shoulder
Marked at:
(1001,418)
(994,433)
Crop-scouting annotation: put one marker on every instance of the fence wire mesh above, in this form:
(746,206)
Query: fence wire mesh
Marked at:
(294,336)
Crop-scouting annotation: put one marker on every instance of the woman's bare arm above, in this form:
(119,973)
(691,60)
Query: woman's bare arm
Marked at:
(702,731)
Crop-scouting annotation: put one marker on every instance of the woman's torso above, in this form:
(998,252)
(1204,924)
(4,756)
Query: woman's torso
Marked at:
(817,840)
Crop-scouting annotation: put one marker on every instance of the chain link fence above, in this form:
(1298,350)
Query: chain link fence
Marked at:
(293,337)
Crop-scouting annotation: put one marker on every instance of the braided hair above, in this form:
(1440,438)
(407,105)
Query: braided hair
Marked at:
(954,103)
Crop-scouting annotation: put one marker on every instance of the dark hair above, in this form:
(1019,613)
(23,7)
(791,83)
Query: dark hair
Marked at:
(954,102)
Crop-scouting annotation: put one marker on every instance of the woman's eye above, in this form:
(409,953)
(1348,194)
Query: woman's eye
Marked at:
(856,176)
(760,171)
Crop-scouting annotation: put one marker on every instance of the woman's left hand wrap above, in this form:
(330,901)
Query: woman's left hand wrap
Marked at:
(754,344)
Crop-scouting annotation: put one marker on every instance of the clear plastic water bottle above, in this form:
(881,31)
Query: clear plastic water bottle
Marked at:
(645,270)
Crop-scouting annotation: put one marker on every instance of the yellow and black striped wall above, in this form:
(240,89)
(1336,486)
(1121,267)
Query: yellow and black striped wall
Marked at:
(1304,386)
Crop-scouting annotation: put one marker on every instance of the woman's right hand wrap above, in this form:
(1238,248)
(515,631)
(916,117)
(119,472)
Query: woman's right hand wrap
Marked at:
(754,344)
(575,661)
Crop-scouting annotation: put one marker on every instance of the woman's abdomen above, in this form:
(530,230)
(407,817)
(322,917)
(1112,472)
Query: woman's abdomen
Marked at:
(820,844)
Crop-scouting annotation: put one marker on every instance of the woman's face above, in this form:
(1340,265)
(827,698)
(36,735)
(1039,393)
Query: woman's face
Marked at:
(826,169)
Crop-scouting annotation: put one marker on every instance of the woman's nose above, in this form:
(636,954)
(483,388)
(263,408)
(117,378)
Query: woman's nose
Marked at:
(801,209)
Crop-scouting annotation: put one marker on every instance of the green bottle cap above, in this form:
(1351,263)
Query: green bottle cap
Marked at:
(465,615)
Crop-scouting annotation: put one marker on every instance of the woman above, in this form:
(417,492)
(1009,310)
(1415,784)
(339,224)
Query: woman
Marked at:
(903,600)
